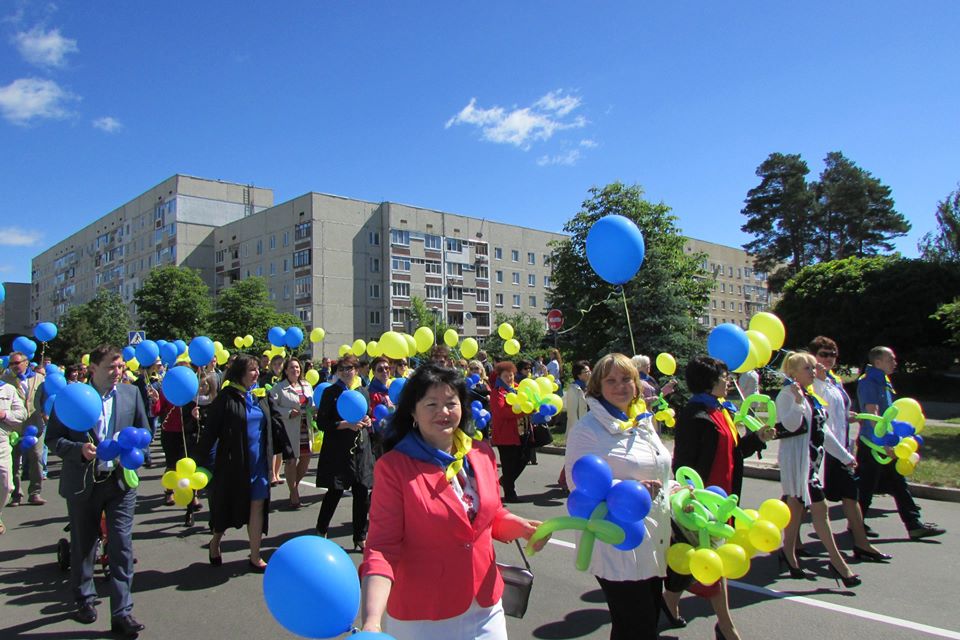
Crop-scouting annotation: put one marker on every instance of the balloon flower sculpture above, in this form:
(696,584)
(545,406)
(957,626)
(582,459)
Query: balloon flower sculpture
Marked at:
(706,512)
(603,510)
(752,422)
(901,435)
(128,447)
(29,439)
(536,398)
(187,478)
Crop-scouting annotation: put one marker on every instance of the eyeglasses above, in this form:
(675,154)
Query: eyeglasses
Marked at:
(827,354)
(13,363)
(347,367)
(382,369)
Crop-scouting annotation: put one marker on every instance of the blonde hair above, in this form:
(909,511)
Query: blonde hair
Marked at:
(602,369)
(479,365)
(794,361)
(642,363)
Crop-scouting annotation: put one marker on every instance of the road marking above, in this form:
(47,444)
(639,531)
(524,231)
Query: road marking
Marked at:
(562,543)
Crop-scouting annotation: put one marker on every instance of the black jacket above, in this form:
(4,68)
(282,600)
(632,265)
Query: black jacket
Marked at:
(346,457)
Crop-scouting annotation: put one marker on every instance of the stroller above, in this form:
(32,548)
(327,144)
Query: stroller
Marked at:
(63,549)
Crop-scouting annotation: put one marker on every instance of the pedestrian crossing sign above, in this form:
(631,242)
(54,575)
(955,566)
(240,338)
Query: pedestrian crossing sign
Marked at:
(136,337)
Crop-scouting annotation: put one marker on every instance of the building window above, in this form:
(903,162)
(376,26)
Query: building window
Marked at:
(431,266)
(434,292)
(431,241)
(483,295)
(730,272)
(273,269)
(273,242)
(375,317)
(516,301)
(516,277)
(400,264)
(400,316)
(480,248)
(286,291)
(499,276)
(546,282)
(454,245)
(531,258)
(374,238)
(221,254)
(375,290)
(259,270)
(723,287)
(714,304)
(305,314)
(301,258)
(483,319)
(533,301)
(260,247)
(455,293)
(740,307)
(514,255)
(455,269)
(723,305)
(303,286)
(400,237)
(499,299)
(374,265)
(286,265)
(531,280)
(302,230)
(400,289)
(497,253)
(286,238)
(483,272)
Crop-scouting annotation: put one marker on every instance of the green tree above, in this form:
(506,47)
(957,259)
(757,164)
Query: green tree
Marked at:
(779,215)
(423,316)
(863,302)
(528,330)
(944,245)
(665,298)
(173,302)
(949,315)
(245,308)
(103,320)
(854,214)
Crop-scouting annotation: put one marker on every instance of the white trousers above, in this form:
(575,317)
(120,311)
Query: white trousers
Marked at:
(476,623)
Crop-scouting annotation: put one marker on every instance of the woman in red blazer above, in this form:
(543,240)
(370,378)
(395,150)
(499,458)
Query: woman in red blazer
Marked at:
(509,431)
(429,569)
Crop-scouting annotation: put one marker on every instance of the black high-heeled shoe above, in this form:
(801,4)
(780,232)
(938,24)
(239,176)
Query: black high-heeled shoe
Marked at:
(870,556)
(677,622)
(717,633)
(796,573)
(359,545)
(851,581)
(215,561)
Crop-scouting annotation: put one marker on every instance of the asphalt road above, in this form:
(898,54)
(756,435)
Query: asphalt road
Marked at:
(178,596)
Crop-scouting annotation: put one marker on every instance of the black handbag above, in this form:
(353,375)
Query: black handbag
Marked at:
(517,583)
(541,435)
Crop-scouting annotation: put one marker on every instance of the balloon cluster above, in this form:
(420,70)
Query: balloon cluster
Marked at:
(128,446)
(30,438)
(26,346)
(243,342)
(536,397)
(481,417)
(602,509)
(186,479)
(292,337)
(706,512)
(746,350)
(898,429)
(511,346)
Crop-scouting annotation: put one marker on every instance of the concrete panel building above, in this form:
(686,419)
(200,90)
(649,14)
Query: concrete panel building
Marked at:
(15,309)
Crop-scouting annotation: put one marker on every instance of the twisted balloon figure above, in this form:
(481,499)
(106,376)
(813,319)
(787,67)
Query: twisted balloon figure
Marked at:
(751,422)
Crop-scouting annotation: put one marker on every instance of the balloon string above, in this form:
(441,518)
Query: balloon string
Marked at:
(584,312)
(626,311)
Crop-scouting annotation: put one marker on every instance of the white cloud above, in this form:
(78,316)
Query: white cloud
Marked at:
(587,143)
(521,126)
(567,159)
(16,237)
(27,98)
(44,48)
(108,124)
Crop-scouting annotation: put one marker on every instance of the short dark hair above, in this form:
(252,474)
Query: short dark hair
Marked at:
(703,373)
(440,351)
(821,342)
(290,360)
(348,359)
(524,364)
(379,360)
(416,387)
(105,351)
(73,369)
(579,366)
(238,368)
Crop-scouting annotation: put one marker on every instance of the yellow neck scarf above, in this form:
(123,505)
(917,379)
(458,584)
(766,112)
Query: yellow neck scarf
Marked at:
(462,443)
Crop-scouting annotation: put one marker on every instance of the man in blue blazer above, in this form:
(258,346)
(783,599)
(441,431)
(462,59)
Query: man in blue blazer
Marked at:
(93,487)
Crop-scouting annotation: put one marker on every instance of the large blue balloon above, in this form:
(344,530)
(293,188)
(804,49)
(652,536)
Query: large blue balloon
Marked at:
(615,248)
(580,505)
(396,388)
(293,337)
(52,370)
(45,331)
(729,343)
(635,532)
(78,406)
(629,501)
(276,336)
(53,384)
(381,411)
(902,429)
(128,353)
(592,475)
(147,353)
(131,459)
(318,392)
(311,587)
(108,450)
(201,351)
(23,344)
(181,347)
(128,438)
(352,406)
(48,404)
(168,354)
(180,386)
(3,292)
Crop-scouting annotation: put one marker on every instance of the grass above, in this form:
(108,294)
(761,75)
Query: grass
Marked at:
(939,457)
(953,420)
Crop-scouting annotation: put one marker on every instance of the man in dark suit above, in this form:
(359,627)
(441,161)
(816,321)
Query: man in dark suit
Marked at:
(93,487)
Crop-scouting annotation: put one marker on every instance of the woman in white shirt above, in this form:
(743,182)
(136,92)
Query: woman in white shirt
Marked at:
(292,396)
(632,580)
(803,436)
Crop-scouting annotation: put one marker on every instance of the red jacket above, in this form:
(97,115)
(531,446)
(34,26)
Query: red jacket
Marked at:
(505,423)
(420,537)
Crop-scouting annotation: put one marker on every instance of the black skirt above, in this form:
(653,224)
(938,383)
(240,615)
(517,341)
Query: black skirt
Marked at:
(839,482)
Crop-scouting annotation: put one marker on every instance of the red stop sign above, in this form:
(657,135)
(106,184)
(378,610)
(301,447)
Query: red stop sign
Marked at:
(554,319)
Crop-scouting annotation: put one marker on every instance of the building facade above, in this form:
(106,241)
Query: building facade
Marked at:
(15,309)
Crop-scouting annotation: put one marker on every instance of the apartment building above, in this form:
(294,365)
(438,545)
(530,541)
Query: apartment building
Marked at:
(15,309)
(170,224)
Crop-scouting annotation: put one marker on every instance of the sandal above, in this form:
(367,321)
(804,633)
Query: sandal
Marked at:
(3,529)
(257,568)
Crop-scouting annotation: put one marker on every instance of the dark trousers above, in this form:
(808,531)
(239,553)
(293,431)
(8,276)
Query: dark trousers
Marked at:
(27,466)
(513,460)
(361,507)
(85,513)
(172,443)
(634,607)
(883,478)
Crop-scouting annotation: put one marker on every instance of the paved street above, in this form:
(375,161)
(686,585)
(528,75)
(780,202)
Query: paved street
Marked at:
(179,596)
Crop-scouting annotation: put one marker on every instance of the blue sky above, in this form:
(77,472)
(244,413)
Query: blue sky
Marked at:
(504,110)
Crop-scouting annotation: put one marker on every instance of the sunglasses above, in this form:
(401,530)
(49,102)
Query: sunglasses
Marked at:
(827,354)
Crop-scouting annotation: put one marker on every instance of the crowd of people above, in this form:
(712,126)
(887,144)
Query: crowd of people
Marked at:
(427,497)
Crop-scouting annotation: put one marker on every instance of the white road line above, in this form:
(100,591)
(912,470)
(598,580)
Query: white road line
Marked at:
(562,543)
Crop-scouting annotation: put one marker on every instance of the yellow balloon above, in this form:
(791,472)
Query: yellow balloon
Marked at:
(424,339)
(750,362)
(516,408)
(666,364)
(85,360)
(450,338)
(217,346)
(770,326)
(373,349)
(198,480)
(910,412)
(411,344)
(222,356)
(743,524)
(741,538)
(545,386)
(182,497)
(762,345)
(678,557)
(736,563)
(393,345)
(555,400)
(511,399)
(469,348)
(776,511)
(511,346)
(248,340)
(765,535)
(343,350)
(312,377)
(238,342)
(706,566)
(505,331)
(317,335)
(133,364)
(186,467)
(905,467)
(359,347)
(169,480)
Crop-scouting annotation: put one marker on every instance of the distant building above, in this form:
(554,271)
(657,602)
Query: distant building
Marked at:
(15,309)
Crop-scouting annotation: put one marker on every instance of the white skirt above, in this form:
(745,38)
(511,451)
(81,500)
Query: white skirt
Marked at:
(476,623)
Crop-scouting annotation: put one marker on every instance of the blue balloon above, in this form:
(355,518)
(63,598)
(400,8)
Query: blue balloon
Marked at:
(352,406)
(160,343)
(396,388)
(45,331)
(23,344)
(276,336)
(615,248)
(131,459)
(717,490)
(128,438)
(53,384)
(903,429)
(318,392)
(311,587)
(180,386)
(592,475)
(3,292)
(168,354)
(31,431)
(371,635)
(381,411)
(108,450)
(635,532)
(51,370)
(143,438)
(919,439)
(729,343)
(629,501)
(28,442)
(128,353)
(78,406)
(890,440)
(48,405)
(538,418)
(292,337)
(181,347)
(201,351)
(580,505)
(476,404)
(147,353)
